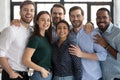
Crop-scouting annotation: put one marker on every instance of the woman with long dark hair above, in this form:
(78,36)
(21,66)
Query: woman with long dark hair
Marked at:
(38,52)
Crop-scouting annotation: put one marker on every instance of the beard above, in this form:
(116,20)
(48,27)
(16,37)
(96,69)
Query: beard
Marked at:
(56,20)
(102,26)
(76,23)
(26,20)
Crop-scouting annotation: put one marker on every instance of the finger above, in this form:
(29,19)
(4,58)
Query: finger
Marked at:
(77,46)
(20,76)
(49,73)
(97,36)
(72,53)
(71,49)
(96,41)
(71,45)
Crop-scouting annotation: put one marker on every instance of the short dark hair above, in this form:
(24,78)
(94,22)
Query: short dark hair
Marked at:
(75,8)
(58,5)
(65,22)
(104,9)
(26,3)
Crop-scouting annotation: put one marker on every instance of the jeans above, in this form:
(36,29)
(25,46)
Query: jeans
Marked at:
(63,78)
(37,76)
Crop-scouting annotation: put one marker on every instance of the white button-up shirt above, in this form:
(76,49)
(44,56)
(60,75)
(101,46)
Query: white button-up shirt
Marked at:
(13,41)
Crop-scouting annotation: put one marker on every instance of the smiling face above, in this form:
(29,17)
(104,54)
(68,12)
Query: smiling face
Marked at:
(76,18)
(27,13)
(44,22)
(62,30)
(57,15)
(103,20)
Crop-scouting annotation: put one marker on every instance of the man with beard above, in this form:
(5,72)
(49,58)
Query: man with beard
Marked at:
(13,41)
(111,41)
(84,47)
(57,14)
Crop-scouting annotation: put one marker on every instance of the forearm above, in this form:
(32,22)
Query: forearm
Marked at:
(112,51)
(26,59)
(32,65)
(91,56)
(100,40)
(5,65)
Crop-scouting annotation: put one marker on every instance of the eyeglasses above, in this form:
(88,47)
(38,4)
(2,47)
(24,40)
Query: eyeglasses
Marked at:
(75,16)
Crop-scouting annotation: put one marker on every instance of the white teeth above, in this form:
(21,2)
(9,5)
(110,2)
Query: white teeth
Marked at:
(62,33)
(28,16)
(45,26)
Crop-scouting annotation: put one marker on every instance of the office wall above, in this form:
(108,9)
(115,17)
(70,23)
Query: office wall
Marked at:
(117,12)
(4,13)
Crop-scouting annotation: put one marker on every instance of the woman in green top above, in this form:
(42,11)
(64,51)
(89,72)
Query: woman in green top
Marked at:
(38,52)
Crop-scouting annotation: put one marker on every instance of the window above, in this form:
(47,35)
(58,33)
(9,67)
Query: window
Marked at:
(87,0)
(37,0)
(89,6)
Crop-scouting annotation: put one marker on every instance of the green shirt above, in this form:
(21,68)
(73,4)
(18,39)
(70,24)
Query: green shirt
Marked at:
(42,54)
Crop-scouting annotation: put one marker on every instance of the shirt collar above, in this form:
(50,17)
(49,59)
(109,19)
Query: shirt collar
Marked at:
(53,26)
(108,30)
(81,30)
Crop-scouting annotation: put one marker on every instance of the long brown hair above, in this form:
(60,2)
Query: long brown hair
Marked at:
(36,26)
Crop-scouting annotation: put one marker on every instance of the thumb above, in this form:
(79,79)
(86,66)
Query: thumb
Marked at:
(20,76)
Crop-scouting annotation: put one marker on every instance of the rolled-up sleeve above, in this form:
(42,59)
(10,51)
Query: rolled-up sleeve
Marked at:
(2,53)
(6,38)
(100,52)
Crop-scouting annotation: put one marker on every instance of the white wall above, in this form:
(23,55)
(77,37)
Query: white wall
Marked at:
(117,12)
(4,13)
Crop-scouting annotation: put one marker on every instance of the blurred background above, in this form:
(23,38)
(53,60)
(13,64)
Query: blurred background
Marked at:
(9,9)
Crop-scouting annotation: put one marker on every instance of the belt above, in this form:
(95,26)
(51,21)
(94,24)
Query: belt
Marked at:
(22,72)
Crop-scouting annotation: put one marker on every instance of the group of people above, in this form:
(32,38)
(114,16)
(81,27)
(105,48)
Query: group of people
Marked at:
(55,51)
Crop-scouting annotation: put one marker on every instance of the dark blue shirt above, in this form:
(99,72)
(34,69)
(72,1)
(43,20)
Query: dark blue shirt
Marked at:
(65,64)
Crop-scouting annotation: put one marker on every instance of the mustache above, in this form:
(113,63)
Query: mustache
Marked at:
(100,22)
(76,21)
(56,17)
